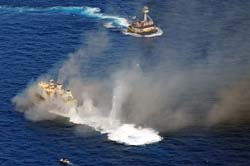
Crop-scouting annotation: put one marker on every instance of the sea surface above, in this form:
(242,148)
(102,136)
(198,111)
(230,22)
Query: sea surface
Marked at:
(37,37)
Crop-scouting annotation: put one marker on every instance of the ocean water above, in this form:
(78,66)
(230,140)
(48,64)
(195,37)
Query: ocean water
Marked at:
(205,44)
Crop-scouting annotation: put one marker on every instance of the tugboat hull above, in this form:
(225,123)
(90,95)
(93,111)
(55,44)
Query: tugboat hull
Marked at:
(144,31)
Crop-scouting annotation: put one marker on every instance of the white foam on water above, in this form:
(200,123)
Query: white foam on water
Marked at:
(116,20)
(94,12)
(80,10)
(109,25)
(111,125)
(127,134)
(116,131)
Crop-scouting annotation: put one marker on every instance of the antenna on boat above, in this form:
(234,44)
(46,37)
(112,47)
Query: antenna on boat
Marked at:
(145,12)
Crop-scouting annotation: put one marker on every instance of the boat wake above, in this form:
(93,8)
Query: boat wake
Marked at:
(112,21)
(86,11)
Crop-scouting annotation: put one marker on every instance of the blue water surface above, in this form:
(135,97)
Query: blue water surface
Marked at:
(38,36)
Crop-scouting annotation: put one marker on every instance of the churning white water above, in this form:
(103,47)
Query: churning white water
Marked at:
(127,134)
(88,114)
(116,131)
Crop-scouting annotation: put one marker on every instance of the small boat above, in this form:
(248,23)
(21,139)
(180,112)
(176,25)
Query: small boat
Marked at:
(64,161)
(145,26)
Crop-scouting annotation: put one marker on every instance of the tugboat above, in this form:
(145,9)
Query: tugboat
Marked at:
(145,26)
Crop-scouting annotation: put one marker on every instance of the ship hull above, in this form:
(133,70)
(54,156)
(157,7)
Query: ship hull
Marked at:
(142,31)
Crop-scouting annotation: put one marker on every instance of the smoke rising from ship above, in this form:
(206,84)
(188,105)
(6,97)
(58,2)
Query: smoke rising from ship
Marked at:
(175,93)
(165,101)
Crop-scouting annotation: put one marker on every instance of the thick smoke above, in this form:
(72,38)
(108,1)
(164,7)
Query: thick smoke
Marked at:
(233,104)
(177,92)
(70,75)
(95,44)
(26,102)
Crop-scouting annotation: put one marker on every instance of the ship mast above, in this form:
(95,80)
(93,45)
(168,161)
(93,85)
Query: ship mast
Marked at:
(145,12)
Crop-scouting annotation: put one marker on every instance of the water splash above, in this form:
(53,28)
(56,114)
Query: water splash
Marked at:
(117,101)
(89,114)
(127,134)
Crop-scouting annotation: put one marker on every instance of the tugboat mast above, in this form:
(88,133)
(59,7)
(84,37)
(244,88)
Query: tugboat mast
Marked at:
(145,12)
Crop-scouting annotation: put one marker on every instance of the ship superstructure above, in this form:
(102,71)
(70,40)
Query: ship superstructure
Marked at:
(51,90)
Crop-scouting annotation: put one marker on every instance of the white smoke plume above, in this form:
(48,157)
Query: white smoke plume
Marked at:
(233,105)
(95,44)
(173,94)
(163,100)
(69,74)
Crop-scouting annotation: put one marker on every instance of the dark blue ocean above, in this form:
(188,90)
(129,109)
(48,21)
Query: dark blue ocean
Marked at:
(210,38)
